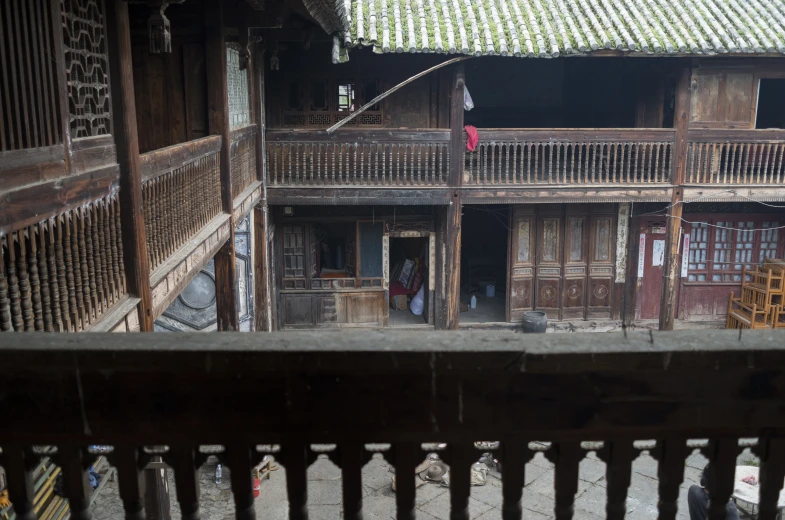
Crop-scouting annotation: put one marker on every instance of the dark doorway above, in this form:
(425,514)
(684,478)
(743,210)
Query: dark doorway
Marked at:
(408,277)
(771,110)
(484,235)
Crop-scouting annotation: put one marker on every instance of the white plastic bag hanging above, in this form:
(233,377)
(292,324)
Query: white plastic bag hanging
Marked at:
(418,302)
(468,104)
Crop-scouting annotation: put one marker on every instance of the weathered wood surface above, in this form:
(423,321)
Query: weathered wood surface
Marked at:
(318,196)
(736,157)
(359,136)
(134,238)
(159,162)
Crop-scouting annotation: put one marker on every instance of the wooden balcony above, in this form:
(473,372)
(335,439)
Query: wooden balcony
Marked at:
(355,158)
(522,157)
(736,157)
(400,388)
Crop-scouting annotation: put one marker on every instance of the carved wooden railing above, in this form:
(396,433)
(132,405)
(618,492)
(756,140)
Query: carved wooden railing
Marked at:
(402,388)
(64,273)
(243,158)
(181,192)
(584,156)
(736,157)
(358,158)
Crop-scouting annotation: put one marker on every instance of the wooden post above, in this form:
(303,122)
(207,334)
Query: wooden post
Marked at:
(673,229)
(156,493)
(452,262)
(632,283)
(218,115)
(261,289)
(137,268)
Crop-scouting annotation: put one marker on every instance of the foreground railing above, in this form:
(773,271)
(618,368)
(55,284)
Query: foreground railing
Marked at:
(556,156)
(736,157)
(181,192)
(358,157)
(403,388)
(63,273)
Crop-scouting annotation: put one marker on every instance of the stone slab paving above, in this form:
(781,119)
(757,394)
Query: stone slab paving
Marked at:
(432,501)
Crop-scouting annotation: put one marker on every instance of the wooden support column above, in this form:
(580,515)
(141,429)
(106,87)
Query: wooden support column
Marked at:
(673,229)
(262,302)
(156,493)
(218,115)
(452,276)
(632,282)
(137,268)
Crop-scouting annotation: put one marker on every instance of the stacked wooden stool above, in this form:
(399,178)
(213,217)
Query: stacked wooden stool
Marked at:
(761,304)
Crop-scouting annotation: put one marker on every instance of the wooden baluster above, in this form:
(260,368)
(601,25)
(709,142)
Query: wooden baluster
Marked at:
(186,461)
(46,299)
(722,455)
(239,460)
(629,165)
(295,458)
(567,457)
(35,283)
(87,257)
(311,170)
(354,167)
(756,161)
(690,171)
(460,458)
(419,164)
(407,456)
(157,209)
(670,454)
(20,464)
(765,166)
(781,152)
(13,286)
(746,169)
(106,241)
(75,463)
(528,151)
(64,275)
(658,175)
(772,472)
(398,162)
(651,174)
(352,458)
(146,208)
(515,455)
(118,231)
(550,147)
(516,173)
(731,167)
(24,283)
(618,457)
(484,162)
(166,217)
(126,460)
(100,259)
(386,175)
(112,234)
(5,304)
(580,169)
(49,271)
(408,164)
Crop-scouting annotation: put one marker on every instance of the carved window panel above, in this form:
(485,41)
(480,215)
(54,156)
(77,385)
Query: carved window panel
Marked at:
(575,231)
(86,67)
(294,251)
(320,95)
(523,241)
(345,98)
(602,239)
(322,102)
(237,83)
(549,243)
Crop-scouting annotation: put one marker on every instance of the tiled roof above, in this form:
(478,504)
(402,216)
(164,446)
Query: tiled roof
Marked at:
(552,28)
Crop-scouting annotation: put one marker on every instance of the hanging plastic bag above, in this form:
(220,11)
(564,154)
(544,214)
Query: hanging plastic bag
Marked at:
(468,103)
(418,302)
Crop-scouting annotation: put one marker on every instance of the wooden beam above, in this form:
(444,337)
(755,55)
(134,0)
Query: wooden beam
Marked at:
(218,116)
(673,229)
(632,285)
(454,210)
(262,302)
(137,268)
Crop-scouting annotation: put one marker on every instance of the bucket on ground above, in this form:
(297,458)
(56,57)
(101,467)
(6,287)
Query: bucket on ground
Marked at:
(535,321)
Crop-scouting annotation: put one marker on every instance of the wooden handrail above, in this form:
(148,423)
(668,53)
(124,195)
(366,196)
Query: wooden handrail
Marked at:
(359,136)
(404,388)
(576,134)
(159,162)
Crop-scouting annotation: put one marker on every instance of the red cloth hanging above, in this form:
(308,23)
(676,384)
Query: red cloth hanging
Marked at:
(473,139)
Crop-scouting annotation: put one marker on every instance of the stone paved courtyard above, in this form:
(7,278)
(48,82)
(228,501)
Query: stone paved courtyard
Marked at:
(433,501)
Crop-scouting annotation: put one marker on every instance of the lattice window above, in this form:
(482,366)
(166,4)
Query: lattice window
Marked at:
(294,252)
(369,119)
(699,246)
(319,119)
(769,241)
(345,101)
(745,244)
(320,102)
(293,119)
(723,250)
(237,82)
(340,117)
(86,67)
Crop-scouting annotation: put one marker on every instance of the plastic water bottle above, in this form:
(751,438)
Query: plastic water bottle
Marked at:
(474,302)
(218,472)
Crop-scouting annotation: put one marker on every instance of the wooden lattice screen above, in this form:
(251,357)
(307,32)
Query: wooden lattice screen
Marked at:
(29,107)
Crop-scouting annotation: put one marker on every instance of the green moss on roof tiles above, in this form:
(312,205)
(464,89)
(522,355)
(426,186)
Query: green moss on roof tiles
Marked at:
(550,28)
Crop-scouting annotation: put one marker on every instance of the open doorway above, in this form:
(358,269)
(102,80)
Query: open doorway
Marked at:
(484,235)
(408,283)
(771,112)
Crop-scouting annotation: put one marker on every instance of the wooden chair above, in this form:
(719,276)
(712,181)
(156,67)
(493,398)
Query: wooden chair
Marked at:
(744,315)
(777,317)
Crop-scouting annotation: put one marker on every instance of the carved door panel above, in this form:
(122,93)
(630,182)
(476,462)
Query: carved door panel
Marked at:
(521,262)
(574,295)
(245,285)
(549,261)
(601,266)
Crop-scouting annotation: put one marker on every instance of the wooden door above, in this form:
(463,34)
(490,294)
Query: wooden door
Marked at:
(601,266)
(521,262)
(549,260)
(651,267)
(575,263)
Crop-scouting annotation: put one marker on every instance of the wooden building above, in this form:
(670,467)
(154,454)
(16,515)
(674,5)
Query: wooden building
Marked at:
(628,163)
